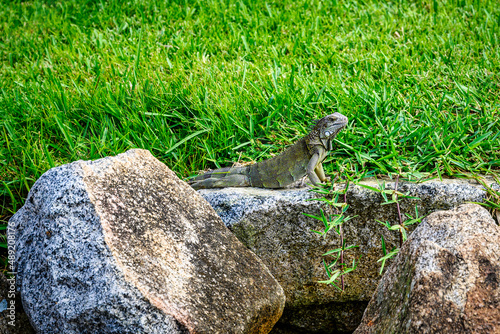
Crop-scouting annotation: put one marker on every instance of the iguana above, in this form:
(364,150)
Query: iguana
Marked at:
(302,158)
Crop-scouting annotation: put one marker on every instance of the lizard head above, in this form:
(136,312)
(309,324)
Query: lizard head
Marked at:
(328,127)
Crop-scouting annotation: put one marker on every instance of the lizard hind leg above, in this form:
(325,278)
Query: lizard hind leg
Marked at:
(230,180)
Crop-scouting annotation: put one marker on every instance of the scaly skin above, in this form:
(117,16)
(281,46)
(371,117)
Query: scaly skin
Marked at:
(305,157)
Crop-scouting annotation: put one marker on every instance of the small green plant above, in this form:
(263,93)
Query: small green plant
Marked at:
(333,219)
(402,226)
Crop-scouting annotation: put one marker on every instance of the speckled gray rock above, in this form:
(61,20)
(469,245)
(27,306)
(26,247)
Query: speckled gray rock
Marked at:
(271,224)
(121,245)
(446,278)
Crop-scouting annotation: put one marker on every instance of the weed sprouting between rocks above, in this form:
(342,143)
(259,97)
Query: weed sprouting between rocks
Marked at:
(402,226)
(333,218)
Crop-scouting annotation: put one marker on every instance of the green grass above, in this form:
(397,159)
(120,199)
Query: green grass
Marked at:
(201,84)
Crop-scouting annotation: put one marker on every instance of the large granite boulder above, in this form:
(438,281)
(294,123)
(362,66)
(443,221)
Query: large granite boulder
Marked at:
(121,245)
(445,279)
(271,224)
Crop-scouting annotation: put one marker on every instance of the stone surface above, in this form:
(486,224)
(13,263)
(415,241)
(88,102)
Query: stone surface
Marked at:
(271,224)
(444,280)
(13,319)
(121,245)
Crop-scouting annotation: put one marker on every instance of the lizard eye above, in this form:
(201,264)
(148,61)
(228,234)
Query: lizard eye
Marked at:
(327,133)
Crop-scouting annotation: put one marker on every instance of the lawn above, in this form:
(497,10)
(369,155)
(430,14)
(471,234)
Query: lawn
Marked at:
(203,84)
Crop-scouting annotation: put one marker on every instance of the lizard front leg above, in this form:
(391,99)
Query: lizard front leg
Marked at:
(321,173)
(311,167)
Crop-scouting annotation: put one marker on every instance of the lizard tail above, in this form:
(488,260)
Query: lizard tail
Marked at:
(221,178)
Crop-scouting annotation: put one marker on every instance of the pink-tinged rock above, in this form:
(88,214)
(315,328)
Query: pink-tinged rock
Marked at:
(446,278)
(122,245)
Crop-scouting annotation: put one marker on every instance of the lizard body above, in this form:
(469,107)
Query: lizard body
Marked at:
(302,158)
